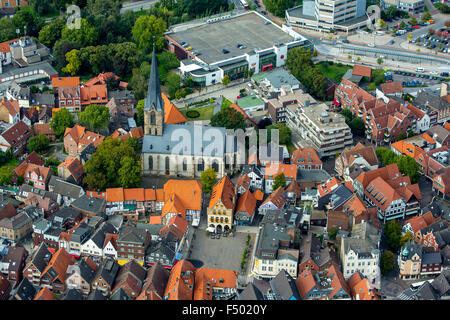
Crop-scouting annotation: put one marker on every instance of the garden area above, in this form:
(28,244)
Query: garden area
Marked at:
(333,71)
(200,113)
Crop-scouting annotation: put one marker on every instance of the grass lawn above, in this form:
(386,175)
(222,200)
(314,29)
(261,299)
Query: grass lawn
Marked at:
(226,103)
(205,113)
(7,169)
(333,71)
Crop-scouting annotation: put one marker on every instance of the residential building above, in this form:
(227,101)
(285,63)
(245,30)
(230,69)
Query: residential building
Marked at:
(325,131)
(39,176)
(256,175)
(71,170)
(221,206)
(45,294)
(410,260)
(68,91)
(25,291)
(312,256)
(44,129)
(39,261)
(95,94)
(180,285)
(441,183)
(283,287)
(215,284)
(242,184)
(417,223)
(5,288)
(17,227)
(154,283)
(355,160)
(361,288)
(245,209)
(275,201)
(435,103)
(54,275)
(15,138)
(390,191)
(307,159)
(80,275)
(13,3)
(110,246)
(391,89)
(78,138)
(105,276)
(132,244)
(93,247)
(130,279)
(13,264)
(9,111)
(361,253)
(273,254)
(274,169)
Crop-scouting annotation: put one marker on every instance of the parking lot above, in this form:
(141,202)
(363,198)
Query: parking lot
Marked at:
(416,79)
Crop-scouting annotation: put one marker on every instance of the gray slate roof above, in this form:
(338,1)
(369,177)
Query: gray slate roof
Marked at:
(154,90)
(72,294)
(108,270)
(284,286)
(41,257)
(119,294)
(96,295)
(190,135)
(65,188)
(25,290)
(251,292)
(431,258)
(85,203)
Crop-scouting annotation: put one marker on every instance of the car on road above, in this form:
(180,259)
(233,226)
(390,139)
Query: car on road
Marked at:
(392,42)
(345,41)
(416,27)
(225,51)
(371,45)
(444,74)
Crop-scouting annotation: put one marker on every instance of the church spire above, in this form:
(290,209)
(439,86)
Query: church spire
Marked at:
(154,89)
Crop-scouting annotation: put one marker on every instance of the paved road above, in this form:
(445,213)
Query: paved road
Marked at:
(137,6)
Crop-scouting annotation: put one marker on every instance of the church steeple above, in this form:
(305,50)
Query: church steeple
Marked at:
(154,103)
(154,88)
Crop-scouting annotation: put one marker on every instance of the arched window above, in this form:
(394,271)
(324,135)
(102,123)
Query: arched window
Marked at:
(167,163)
(201,165)
(215,166)
(150,163)
(152,118)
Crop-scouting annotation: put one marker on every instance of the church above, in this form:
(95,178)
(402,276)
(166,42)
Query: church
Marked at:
(173,147)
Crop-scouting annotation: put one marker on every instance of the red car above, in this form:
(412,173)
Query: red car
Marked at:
(416,27)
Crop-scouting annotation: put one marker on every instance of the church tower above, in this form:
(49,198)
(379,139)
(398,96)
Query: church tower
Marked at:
(154,103)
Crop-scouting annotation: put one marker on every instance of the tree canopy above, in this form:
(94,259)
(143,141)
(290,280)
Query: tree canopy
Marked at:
(95,117)
(393,234)
(114,164)
(61,120)
(278,7)
(228,118)
(209,179)
(38,143)
(279,181)
(149,31)
(406,164)
(387,262)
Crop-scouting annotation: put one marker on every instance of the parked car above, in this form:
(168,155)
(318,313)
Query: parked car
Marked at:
(345,41)
(225,51)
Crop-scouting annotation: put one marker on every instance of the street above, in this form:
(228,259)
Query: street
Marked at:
(137,5)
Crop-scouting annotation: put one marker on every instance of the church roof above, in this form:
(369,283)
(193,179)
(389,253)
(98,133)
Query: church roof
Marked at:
(175,135)
(154,88)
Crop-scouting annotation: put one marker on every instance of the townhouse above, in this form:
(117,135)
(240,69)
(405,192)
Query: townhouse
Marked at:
(307,159)
(78,138)
(71,170)
(54,275)
(389,191)
(274,169)
(15,138)
(132,243)
(355,160)
(38,176)
(9,111)
(68,93)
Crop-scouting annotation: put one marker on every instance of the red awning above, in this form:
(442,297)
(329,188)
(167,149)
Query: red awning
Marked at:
(336,103)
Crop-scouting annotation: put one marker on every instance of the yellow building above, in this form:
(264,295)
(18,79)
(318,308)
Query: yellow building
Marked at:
(221,206)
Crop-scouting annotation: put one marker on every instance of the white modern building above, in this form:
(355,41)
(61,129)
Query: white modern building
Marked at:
(231,44)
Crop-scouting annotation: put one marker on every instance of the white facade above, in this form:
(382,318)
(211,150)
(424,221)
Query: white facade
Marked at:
(109,251)
(90,248)
(267,268)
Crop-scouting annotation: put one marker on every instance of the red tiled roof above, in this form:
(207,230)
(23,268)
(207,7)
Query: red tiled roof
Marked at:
(278,197)
(42,128)
(247,203)
(328,186)
(305,156)
(181,277)
(66,82)
(45,294)
(15,132)
(208,278)
(114,195)
(137,194)
(4,46)
(224,191)
(11,105)
(97,94)
(274,169)
(392,87)
(360,70)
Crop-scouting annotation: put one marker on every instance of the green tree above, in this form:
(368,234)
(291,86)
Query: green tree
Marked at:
(95,117)
(410,133)
(226,80)
(413,21)
(20,180)
(173,83)
(426,17)
(228,118)
(61,120)
(114,164)
(332,233)
(393,234)
(85,36)
(380,60)
(209,179)
(279,181)
(149,31)
(8,29)
(140,113)
(138,84)
(372,86)
(402,25)
(5,176)
(104,8)
(38,143)
(25,18)
(357,127)
(400,136)
(51,32)
(284,133)
(134,143)
(278,7)
(73,62)
(387,262)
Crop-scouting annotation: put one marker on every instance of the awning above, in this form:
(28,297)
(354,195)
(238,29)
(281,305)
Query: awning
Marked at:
(210,229)
(336,103)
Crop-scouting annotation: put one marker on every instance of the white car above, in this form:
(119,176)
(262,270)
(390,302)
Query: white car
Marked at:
(371,45)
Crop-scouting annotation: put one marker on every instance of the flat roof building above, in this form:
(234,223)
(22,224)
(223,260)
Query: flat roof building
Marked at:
(231,44)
